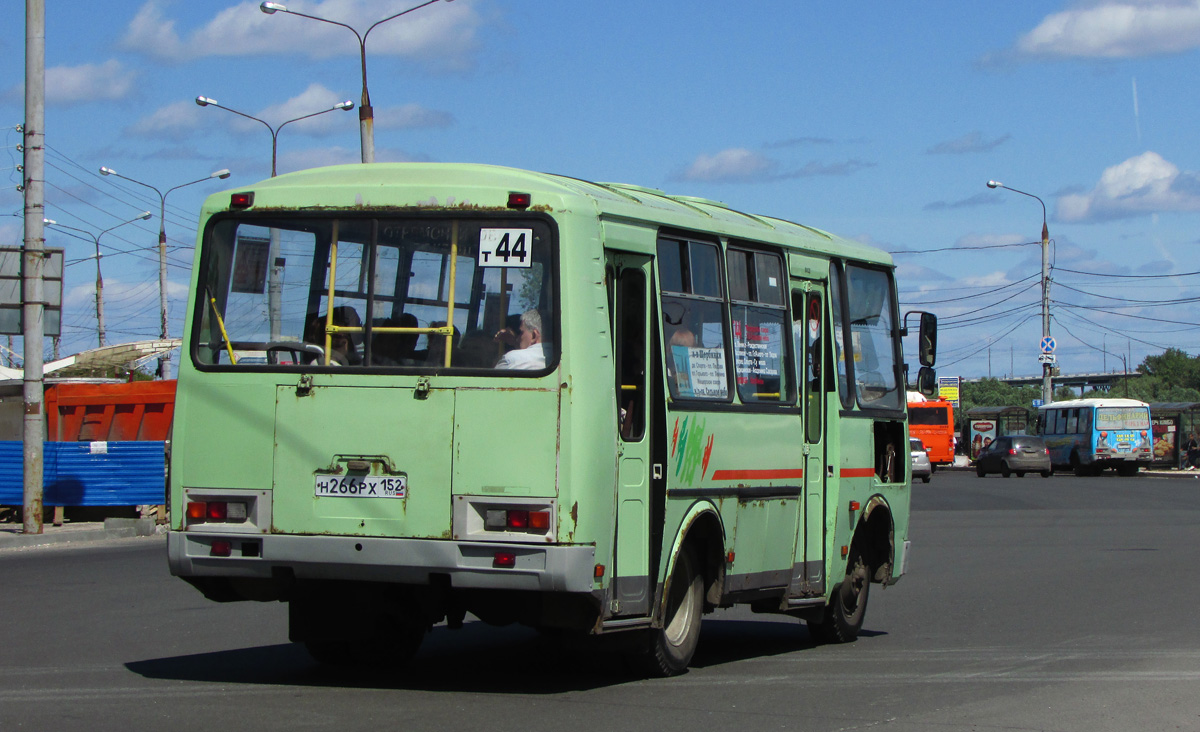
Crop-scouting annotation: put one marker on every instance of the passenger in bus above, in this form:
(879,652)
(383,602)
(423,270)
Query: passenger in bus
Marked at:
(395,349)
(342,350)
(436,353)
(529,353)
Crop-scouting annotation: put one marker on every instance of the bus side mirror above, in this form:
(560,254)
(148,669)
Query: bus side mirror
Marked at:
(927,340)
(927,381)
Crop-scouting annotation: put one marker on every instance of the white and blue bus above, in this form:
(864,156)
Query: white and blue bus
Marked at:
(1089,435)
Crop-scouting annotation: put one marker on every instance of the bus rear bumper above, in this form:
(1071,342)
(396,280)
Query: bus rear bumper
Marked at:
(374,559)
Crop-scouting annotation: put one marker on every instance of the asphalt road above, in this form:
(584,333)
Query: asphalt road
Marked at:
(1031,604)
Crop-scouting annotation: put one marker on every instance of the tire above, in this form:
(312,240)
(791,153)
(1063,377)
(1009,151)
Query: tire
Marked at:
(1004,471)
(1126,470)
(1020,473)
(924,478)
(669,649)
(1045,473)
(979,471)
(847,606)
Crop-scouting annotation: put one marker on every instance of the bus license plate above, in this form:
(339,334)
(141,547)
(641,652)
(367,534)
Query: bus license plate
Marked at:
(362,486)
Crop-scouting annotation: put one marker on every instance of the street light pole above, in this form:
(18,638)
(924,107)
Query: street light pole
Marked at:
(1047,387)
(275,272)
(366,115)
(210,102)
(162,249)
(100,331)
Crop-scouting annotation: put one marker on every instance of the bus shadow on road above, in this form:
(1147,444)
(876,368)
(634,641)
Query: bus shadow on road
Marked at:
(730,641)
(480,658)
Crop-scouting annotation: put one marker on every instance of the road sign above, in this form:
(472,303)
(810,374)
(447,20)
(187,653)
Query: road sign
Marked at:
(1047,358)
(948,389)
(1037,403)
(1048,344)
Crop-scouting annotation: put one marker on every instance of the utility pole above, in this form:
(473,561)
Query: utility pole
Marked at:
(1047,368)
(32,308)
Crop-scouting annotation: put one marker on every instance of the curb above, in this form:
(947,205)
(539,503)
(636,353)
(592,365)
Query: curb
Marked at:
(112,528)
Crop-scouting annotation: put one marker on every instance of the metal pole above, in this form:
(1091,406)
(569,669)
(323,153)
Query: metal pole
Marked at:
(33,261)
(366,115)
(99,298)
(162,282)
(1047,387)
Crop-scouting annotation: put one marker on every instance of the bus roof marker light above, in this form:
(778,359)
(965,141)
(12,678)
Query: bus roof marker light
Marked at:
(241,200)
(519,201)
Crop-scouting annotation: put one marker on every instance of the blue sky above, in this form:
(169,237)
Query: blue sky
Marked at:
(879,121)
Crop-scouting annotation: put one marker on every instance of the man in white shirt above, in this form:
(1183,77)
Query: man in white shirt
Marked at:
(530,355)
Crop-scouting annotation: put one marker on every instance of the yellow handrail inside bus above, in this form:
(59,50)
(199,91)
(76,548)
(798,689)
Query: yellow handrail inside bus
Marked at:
(224,335)
(330,328)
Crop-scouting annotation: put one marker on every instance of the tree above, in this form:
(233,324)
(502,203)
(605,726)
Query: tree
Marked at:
(1173,369)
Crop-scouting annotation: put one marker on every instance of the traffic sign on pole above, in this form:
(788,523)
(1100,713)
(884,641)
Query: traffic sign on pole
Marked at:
(1048,344)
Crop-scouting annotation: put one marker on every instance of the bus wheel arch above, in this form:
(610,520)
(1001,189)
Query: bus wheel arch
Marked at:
(876,536)
(693,587)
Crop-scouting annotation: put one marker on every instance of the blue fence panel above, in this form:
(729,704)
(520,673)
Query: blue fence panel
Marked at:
(80,474)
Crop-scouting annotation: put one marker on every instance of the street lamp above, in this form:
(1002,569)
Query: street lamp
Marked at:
(162,248)
(366,115)
(100,333)
(1047,368)
(209,102)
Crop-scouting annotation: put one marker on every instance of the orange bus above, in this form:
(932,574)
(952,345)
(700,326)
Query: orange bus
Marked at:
(932,422)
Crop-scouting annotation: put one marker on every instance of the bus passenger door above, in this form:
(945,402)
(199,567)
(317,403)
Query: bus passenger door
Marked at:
(630,277)
(811,348)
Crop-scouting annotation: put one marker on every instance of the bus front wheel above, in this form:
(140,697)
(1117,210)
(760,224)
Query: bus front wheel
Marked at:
(848,607)
(670,648)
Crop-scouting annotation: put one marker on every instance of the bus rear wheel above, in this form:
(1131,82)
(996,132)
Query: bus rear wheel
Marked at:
(670,648)
(848,607)
(1126,470)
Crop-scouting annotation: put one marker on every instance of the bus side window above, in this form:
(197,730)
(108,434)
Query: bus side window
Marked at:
(630,338)
(1085,420)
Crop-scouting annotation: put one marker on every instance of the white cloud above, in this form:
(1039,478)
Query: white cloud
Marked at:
(1116,29)
(176,121)
(735,164)
(66,85)
(316,98)
(1141,185)
(445,32)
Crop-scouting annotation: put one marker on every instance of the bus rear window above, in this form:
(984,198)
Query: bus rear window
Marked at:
(1122,418)
(377,293)
(928,416)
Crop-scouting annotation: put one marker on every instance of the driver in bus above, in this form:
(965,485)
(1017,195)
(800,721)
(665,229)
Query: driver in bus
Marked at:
(529,353)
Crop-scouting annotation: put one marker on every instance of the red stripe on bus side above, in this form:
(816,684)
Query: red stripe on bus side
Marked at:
(857,472)
(778,474)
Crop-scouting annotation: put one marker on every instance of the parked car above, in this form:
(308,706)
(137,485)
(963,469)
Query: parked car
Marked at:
(1018,454)
(921,467)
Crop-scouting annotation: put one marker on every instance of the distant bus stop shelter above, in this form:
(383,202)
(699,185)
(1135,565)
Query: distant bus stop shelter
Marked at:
(1172,422)
(988,423)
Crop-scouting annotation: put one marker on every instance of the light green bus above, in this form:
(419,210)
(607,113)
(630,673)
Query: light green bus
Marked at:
(414,391)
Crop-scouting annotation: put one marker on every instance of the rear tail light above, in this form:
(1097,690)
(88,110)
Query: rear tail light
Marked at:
(504,560)
(1012,451)
(517,520)
(199,512)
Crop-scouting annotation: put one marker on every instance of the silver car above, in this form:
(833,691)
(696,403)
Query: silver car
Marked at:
(920,460)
